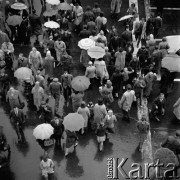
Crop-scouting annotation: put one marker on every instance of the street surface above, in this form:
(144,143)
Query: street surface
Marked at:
(87,163)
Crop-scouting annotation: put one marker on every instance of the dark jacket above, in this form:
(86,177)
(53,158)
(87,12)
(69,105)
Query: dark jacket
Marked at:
(55,88)
(17,118)
(158,22)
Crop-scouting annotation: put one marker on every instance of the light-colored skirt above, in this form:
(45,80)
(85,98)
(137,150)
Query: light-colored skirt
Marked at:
(101,139)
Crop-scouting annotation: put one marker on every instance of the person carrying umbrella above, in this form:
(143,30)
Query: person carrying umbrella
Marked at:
(77,97)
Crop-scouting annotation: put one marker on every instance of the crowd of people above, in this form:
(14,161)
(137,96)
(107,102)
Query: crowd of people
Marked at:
(118,73)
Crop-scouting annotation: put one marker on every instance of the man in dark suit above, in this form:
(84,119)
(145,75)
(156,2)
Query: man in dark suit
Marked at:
(157,25)
(84,33)
(127,36)
(18,120)
(91,25)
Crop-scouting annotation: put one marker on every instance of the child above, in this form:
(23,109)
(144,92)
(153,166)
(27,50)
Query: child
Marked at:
(101,135)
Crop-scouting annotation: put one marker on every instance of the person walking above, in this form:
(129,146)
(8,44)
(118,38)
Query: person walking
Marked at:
(55,89)
(157,25)
(100,112)
(60,48)
(35,60)
(91,73)
(126,102)
(115,8)
(143,128)
(38,95)
(18,118)
(47,167)
(66,79)
(84,111)
(14,98)
(120,56)
(77,98)
(101,135)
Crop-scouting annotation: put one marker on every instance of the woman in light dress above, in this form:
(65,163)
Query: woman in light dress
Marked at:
(47,167)
(101,70)
(84,111)
(38,95)
(35,60)
(176,110)
(78,14)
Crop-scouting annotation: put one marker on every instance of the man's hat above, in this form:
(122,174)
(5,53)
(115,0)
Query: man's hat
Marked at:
(55,79)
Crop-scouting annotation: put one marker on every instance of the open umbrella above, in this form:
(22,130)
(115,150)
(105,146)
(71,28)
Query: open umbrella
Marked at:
(86,43)
(23,73)
(65,6)
(80,83)
(171,62)
(19,6)
(53,2)
(50,13)
(14,20)
(96,52)
(51,24)
(73,122)
(125,17)
(165,156)
(43,131)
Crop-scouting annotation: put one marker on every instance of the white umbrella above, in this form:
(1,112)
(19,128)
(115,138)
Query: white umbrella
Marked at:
(125,17)
(96,52)
(51,24)
(23,73)
(86,43)
(53,2)
(43,131)
(19,6)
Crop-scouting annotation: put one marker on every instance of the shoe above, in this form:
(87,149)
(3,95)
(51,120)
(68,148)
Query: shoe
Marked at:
(157,119)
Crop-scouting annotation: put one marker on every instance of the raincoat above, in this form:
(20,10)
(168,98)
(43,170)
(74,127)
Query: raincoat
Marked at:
(116,6)
(85,114)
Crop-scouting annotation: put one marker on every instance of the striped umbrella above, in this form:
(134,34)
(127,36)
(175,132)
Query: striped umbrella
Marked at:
(19,6)
(86,43)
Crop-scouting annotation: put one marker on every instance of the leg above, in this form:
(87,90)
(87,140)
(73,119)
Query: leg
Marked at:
(101,146)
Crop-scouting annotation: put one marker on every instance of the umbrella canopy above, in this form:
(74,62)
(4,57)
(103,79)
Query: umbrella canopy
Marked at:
(125,17)
(96,52)
(23,73)
(165,156)
(80,83)
(174,43)
(43,131)
(19,6)
(73,122)
(53,2)
(65,6)
(51,24)
(86,43)
(171,62)
(14,20)
(50,12)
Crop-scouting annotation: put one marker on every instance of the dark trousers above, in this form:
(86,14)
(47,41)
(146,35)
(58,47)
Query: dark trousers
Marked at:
(19,132)
(57,98)
(66,93)
(125,115)
(156,32)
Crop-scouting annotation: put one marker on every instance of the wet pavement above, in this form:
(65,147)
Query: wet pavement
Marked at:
(86,162)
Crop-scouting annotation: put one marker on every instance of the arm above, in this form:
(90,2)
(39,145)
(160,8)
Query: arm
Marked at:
(121,101)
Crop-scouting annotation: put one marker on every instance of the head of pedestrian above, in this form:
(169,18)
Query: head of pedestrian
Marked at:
(100,101)
(55,80)
(178,133)
(161,96)
(77,5)
(143,118)
(21,55)
(91,18)
(151,36)
(34,49)
(101,14)
(7,2)
(90,63)
(85,27)
(34,11)
(164,39)
(83,104)
(109,83)
(156,47)
(88,8)
(48,53)
(37,83)
(101,33)
(38,72)
(45,157)
(43,103)
(11,89)
(96,5)
(110,112)
(15,107)
(65,73)
(51,37)
(133,5)
(128,87)
(120,49)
